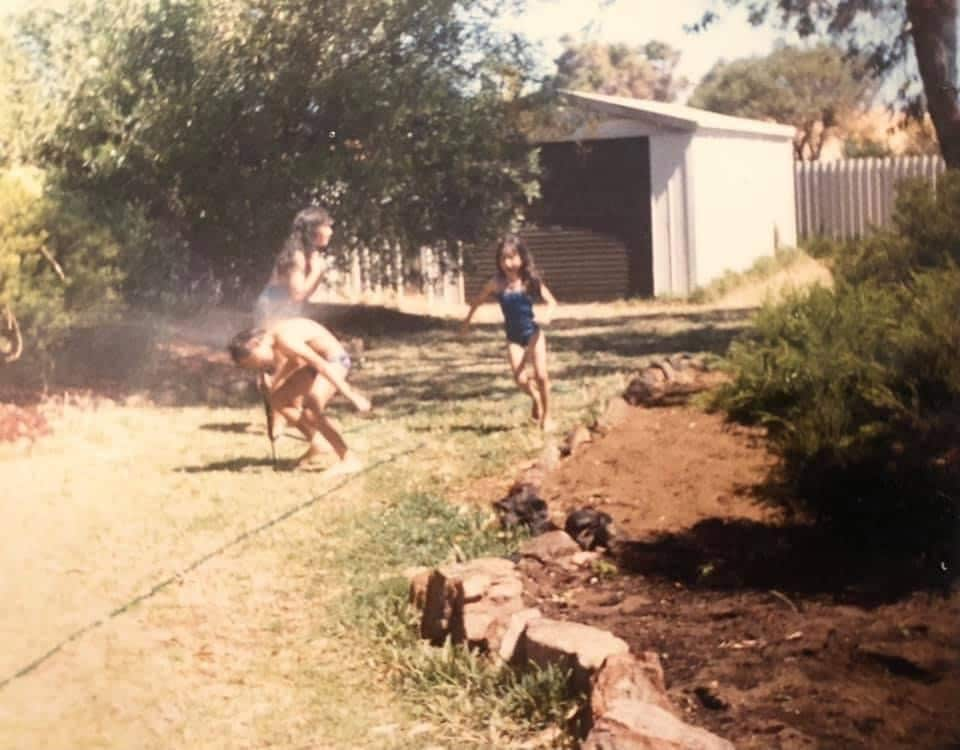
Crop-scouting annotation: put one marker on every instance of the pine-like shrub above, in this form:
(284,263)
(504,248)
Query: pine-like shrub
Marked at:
(925,234)
(859,385)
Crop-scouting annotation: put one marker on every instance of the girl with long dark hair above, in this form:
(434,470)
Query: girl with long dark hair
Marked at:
(517,286)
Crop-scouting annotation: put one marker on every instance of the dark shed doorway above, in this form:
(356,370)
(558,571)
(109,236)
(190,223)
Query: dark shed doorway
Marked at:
(602,186)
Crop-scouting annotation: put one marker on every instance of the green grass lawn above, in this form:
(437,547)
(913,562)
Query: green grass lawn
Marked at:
(173,591)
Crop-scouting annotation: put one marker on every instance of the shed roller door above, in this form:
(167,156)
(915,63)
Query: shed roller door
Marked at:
(577,265)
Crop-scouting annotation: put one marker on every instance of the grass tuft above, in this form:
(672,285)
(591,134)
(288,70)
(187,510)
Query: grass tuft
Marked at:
(467,698)
(763,268)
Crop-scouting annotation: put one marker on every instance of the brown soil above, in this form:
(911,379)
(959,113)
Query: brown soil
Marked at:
(771,634)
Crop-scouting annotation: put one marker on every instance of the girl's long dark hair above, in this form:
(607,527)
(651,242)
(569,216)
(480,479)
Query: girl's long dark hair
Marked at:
(528,270)
(301,237)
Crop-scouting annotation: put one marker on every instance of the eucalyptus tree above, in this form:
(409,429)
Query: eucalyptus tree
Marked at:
(884,33)
(814,89)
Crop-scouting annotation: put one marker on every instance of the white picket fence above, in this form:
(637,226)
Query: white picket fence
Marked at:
(839,199)
(385,276)
(844,199)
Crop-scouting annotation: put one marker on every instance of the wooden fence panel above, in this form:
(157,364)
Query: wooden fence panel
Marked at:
(844,199)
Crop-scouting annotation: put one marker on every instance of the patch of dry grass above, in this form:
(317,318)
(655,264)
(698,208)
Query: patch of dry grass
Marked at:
(248,649)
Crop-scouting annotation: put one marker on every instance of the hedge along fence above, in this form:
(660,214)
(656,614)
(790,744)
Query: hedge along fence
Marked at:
(844,199)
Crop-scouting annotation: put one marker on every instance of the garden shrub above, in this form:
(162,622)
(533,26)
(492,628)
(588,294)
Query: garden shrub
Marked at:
(859,386)
(925,234)
(32,222)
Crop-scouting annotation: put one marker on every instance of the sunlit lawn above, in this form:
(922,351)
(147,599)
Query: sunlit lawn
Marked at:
(152,546)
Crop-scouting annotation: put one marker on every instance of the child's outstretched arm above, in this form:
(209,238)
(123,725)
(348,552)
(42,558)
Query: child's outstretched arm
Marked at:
(297,348)
(550,301)
(488,291)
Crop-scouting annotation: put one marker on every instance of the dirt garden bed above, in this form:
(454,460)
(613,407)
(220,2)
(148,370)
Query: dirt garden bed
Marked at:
(770,634)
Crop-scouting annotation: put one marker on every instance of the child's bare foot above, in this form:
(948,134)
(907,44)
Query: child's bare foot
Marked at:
(315,451)
(349,464)
(535,410)
(547,425)
(361,402)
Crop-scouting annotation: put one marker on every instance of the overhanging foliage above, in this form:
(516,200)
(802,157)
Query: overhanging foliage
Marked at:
(223,117)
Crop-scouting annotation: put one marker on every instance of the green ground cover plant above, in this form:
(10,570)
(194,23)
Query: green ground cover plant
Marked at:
(859,385)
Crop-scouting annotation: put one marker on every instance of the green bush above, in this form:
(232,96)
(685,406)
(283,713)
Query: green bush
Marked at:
(154,263)
(859,386)
(925,234)
(44,236)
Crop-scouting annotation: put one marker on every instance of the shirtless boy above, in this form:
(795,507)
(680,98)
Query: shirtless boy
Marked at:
(305,364)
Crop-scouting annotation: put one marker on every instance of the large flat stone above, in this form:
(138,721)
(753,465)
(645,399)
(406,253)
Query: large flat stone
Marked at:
(551,546)
(485,622)
(569,645)
(626,677)
(515,627)
(632,725)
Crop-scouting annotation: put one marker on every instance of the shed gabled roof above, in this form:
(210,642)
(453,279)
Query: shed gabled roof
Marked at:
(676,116)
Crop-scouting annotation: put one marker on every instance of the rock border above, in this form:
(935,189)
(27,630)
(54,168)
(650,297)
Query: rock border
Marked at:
(480,603)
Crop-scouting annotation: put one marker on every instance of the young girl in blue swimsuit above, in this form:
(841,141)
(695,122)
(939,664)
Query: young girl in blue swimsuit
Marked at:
(516,286)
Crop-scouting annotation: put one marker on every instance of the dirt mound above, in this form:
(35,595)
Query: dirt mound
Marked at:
(665,469)
(772,634)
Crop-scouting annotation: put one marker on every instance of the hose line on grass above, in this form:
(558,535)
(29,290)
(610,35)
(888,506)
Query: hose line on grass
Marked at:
(243,536)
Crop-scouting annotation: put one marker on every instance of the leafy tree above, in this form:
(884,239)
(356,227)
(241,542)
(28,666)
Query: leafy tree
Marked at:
(811,89)
(881,32)
(861,147)
(646,71)
(222,117)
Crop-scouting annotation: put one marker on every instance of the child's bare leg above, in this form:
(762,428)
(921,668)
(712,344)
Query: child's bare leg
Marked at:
(518,358)
(349,463)
(537,352)
(287,401)
(267,382)
(326,436)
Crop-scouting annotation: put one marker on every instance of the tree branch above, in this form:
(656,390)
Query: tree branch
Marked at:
(53,262)
(13,335)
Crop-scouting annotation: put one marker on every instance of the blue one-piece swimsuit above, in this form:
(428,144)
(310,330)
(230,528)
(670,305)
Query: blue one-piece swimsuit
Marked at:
(517,310)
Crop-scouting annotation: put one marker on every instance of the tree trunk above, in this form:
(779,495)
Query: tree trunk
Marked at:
(933,26)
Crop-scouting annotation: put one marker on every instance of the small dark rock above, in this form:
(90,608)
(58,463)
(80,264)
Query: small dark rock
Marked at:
(590,528)
(524,507)
(710,700)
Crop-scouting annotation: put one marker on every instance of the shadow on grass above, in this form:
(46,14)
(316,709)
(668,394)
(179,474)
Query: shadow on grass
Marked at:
(234,427)
(374,320)
(478,429)
(797,559)
(236,464)
(121,360)
(629,343)
(444,367)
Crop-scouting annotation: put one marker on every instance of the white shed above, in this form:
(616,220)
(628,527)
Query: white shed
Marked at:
(721,188)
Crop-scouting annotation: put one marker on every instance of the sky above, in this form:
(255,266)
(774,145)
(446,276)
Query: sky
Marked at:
(632,21)
(636,22)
